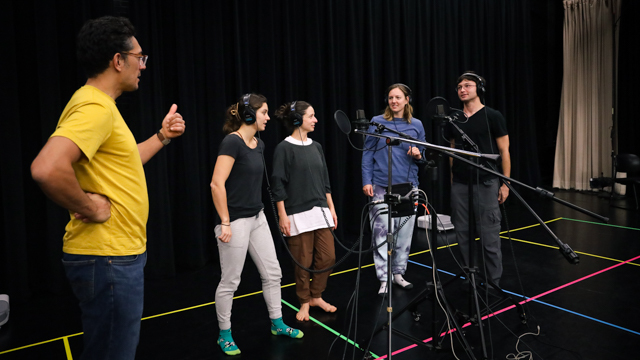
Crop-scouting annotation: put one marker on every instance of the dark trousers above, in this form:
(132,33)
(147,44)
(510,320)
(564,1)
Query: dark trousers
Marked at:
(315,247)
(488,217)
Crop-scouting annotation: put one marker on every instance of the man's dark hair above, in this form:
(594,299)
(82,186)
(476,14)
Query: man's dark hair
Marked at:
(100,39)
(472,76)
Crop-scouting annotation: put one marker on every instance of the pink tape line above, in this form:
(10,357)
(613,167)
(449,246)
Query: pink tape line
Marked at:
(522,302)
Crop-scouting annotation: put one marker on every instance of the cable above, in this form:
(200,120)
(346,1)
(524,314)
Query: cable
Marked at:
(273,208)
(375,149)
(457,333)
(485,300)
(526,306)
(521,355)
(479,215)
(355,296)
(528,309)
(434,275)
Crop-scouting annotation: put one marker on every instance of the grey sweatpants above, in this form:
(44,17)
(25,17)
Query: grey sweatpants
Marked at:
(252,235)
(488,217)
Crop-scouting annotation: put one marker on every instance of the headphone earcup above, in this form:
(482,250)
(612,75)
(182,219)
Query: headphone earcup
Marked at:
(297,119)
(479,84)
(248,113)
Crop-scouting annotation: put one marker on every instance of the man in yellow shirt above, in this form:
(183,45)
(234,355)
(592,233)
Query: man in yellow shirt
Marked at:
(92,166)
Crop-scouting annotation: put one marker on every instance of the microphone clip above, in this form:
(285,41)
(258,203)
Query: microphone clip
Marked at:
(379,127)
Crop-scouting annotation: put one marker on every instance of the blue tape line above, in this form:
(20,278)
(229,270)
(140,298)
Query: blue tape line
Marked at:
(544,303)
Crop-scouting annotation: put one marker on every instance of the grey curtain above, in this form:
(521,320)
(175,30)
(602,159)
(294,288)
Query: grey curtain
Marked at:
(583,142)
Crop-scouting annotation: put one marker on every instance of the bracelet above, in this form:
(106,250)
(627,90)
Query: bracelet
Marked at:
(225,224)
(164,140)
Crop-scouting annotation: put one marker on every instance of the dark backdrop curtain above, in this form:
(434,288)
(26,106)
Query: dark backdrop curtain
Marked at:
(628,120)
(205,54)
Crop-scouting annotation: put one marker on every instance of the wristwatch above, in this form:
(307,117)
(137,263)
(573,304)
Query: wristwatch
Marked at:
(163,139)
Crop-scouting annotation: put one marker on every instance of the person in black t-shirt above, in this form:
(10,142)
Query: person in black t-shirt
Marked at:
(303,195)
(236,188)
(488,130)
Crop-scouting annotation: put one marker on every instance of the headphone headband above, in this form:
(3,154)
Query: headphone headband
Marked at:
(480,82)
(409,92)
(396,85)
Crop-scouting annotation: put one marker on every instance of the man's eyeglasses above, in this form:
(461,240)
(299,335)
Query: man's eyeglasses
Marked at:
(465,86)
(141,58)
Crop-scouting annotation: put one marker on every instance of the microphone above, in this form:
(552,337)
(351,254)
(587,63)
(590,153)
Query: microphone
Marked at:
(361,123)
(440,117)
(397,198)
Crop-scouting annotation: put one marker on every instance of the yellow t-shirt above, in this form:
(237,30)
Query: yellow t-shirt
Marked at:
(111,167)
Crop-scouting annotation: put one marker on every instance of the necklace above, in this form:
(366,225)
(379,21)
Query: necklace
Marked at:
(241,137)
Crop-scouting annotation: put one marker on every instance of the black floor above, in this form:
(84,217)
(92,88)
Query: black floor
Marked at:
(584,311)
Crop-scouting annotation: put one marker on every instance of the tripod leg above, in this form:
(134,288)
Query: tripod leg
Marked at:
(456,324)
(505,296)
(476,306)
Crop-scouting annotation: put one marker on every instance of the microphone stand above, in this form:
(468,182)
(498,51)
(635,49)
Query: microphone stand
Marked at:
(471,271)
(391,244)
(565,249)
(454,153)
(390,199)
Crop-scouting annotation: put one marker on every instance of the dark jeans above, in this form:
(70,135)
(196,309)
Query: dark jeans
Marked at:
(111,293)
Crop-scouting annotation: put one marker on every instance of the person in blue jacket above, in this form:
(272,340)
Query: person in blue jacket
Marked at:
(405,157)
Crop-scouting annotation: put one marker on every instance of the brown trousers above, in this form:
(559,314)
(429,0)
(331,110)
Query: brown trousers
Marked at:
(315,247)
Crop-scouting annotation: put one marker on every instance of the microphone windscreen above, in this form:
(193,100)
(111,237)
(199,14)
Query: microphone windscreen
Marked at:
(343,121)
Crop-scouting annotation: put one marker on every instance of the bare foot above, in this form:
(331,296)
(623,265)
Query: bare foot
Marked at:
(303,314)
(322,304)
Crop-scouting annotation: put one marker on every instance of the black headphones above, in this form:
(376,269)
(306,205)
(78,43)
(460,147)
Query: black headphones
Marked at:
(479,83)
(294,116)
(407,90)
(248,113)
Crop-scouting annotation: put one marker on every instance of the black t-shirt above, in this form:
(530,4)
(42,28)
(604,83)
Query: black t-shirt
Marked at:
(483,128)
(244,185)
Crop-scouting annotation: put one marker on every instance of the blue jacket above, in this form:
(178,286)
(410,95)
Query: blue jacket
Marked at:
(375,159)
